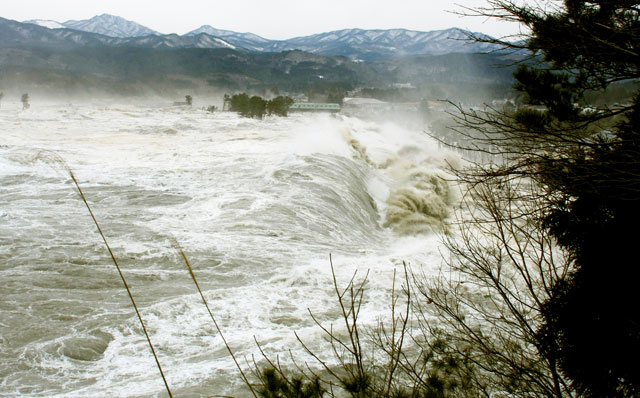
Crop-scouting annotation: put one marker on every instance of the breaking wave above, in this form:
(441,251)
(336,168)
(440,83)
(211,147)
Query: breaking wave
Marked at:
(257,206)
(423,205)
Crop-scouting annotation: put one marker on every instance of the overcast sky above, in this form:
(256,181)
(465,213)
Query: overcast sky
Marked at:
(272,19)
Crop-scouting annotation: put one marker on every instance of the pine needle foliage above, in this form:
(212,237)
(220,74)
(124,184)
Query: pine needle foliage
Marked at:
(583,157)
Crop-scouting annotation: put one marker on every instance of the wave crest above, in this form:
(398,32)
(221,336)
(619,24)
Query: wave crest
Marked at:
(422,205)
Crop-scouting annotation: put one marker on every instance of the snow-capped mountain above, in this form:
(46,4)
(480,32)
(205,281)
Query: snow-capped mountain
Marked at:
(46,23)
(360,43)
(248,41)
(14,33)
(371,44)
(110,25)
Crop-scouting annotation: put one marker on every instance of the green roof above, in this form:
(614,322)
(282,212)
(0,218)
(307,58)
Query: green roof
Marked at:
(314,106)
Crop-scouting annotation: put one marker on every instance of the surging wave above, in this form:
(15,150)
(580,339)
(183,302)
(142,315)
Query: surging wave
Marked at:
(423,205)
(421,197)
(257,205)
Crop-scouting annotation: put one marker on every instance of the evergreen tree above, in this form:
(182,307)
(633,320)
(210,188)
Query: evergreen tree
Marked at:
(256,106)
(239,103)
(225,102)
(588,166)
(279,106)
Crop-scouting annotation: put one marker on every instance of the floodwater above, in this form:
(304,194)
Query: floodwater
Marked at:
(257,205)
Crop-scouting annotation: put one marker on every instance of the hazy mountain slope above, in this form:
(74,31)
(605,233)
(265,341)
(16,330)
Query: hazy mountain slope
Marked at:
(377,44)
(110,25)
(247,41)
(118,69)
(450,68)
(175,41)
(195,68)
(360,43)
(34,57)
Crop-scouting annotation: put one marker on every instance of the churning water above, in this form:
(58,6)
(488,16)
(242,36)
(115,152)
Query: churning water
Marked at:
(257,206)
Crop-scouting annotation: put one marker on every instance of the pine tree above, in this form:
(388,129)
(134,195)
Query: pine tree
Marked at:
(279,106)
(587,164)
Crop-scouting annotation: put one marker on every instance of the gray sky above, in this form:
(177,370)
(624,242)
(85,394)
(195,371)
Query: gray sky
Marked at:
(272,19)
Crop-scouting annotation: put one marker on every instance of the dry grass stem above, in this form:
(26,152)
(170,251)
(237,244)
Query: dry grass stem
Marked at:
(126,286)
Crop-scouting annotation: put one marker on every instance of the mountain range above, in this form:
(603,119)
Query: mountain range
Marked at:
(356,44)
(107,54)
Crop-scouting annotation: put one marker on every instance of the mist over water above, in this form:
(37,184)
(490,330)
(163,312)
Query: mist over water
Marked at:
(257,206)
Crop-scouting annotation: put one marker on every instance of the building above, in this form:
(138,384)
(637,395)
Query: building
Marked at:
(314,107)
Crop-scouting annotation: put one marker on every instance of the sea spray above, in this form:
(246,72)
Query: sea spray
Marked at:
(422,195)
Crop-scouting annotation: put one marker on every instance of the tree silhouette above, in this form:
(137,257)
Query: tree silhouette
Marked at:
(25,101)
(586,165)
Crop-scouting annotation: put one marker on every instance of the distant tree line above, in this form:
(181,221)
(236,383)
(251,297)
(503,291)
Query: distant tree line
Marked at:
(257,106)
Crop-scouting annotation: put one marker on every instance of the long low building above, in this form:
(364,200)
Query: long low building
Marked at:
(314,107)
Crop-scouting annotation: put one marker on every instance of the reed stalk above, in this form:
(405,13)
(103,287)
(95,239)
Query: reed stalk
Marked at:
(204,301)
(126,286)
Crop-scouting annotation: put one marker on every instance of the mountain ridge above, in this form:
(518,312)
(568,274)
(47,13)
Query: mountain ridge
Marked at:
(110,25)
(355,43)
(14,33)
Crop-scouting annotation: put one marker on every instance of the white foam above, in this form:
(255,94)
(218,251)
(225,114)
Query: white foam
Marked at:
(257,205)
